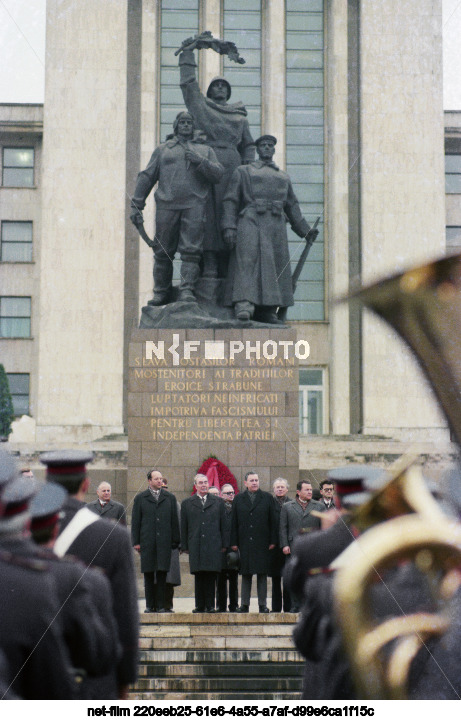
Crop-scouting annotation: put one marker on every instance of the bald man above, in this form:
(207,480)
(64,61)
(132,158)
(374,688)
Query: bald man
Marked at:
(105,507)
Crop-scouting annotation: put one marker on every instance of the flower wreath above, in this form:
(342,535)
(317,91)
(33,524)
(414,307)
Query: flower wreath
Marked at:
(217,473)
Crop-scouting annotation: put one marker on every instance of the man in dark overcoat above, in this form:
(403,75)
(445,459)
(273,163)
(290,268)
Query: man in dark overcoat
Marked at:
(254,534)
(279,600)
(105,506)
(202,537)
(229,573)
(296,518)
(154,533)
(103,544)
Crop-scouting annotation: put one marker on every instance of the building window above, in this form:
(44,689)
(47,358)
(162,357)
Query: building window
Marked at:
(18,167)
(242,22)
(453,173)
(453,237)
(305,144)
(179,20)
(312,398)
(19,389)
(15,317)
(16,241)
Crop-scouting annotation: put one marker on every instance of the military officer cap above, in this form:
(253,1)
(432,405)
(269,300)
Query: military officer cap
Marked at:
(15,499)
(66,466)
(354,478)
(266,137)
(46,505)
(219,77)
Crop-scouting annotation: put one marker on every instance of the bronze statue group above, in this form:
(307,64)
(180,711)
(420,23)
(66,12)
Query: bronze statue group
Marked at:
(224,213)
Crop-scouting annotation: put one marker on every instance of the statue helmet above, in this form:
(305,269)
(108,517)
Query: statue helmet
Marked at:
(219,77)
(178,118)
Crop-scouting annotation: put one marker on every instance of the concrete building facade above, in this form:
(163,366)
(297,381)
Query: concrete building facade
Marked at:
(353,92)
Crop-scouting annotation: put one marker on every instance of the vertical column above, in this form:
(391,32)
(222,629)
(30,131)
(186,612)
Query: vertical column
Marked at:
(305,144)
(273,110)
(402,193)
(80,365)
(336,219)
(242,25)
(210,19)
(150,107)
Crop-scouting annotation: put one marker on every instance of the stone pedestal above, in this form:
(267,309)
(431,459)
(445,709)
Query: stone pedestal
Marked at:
(223,392)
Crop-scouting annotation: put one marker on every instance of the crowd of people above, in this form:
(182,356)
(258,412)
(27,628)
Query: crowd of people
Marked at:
(224,534)
(68,597)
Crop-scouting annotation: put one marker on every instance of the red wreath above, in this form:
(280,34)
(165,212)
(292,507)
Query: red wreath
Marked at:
(217,473)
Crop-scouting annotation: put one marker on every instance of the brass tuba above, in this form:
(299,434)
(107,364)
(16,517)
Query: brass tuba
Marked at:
(424,306)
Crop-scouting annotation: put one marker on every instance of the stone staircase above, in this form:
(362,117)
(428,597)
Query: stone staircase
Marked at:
(222,656)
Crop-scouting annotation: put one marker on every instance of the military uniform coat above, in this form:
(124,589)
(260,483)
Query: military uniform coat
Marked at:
(254,529)
(107,546)
(30,631)
(111,510)
(294,520)
(202,532)
(85,602)
(257,199)
(155,527)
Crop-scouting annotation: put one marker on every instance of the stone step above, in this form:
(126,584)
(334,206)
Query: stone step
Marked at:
(201,629)
(214,696)
(224,683)
(176,670)
(211,656)
(218,657)
(243,643)
(218,618)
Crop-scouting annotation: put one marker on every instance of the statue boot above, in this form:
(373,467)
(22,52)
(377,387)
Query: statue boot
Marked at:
(190,271)
(163,274)
(268,314)
(244,310)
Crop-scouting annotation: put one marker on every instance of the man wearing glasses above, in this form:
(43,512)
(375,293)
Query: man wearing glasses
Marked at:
(327,489)
(229,572)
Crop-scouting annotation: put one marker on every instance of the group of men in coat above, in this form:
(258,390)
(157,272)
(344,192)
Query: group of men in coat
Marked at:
(68,598)
(255,526)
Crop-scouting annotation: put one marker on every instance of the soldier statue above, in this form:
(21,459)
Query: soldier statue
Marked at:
(258,198)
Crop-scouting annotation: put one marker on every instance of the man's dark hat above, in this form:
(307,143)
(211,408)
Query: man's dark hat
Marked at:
(16,497)
(355,478)
(233,560)
(66,465)
(265,137)
(218,77)
(45,506)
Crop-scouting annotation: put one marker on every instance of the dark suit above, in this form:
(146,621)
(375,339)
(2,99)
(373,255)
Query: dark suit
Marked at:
(254,529)
(112,510)
(202,531)
(30,634)
(155,527)
(279,600)
(107,546)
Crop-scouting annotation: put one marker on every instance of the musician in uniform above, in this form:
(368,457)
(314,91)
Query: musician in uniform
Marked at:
(100,543)
(31,637)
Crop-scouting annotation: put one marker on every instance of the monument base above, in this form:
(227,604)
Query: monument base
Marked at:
(184,314)
(231,393)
